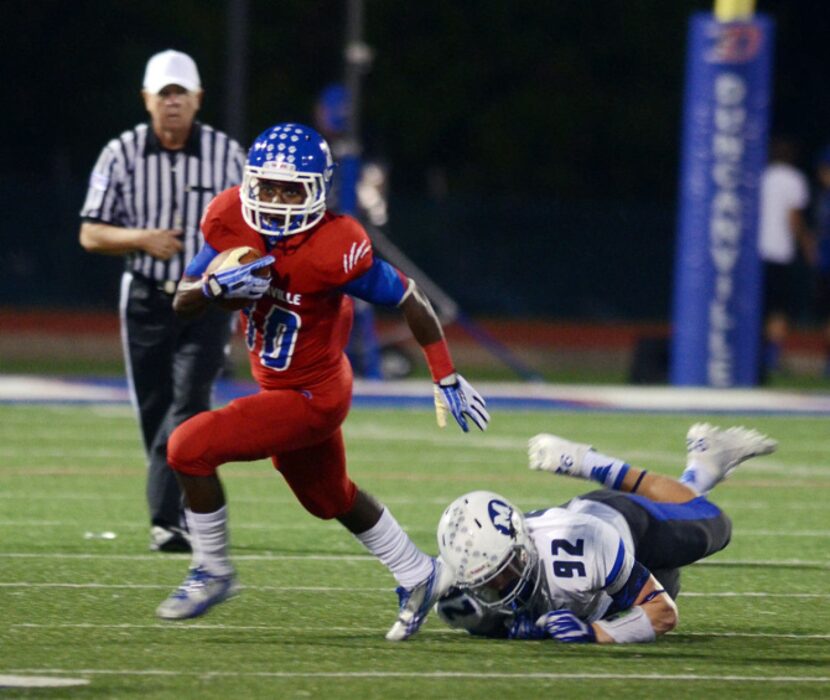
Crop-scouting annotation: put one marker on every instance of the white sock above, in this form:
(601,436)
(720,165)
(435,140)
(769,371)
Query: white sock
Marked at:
(389,543)
(209,540)
(698,480)
(608,471)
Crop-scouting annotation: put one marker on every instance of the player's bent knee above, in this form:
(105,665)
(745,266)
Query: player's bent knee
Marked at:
(188,449)
(327,505)
(720,533)
(333,498)
(325,508)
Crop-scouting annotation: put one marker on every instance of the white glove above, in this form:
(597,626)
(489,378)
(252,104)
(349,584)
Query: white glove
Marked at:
(458,397)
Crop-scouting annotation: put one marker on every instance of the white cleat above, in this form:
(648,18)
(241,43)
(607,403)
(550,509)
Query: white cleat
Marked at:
(554,454)
(713,453)
(200,591)
(415,603)
(169,539)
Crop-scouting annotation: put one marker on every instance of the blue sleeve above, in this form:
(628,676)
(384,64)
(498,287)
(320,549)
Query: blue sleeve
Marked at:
(200,261)
(382,284)
(625,597)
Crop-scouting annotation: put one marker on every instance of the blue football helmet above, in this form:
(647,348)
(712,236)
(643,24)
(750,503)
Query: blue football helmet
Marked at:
(286,153)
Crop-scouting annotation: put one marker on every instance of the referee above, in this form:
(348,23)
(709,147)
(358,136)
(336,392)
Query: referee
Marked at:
(146,196)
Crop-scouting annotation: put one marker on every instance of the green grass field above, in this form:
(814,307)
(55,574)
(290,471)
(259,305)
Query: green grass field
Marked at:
(311,619)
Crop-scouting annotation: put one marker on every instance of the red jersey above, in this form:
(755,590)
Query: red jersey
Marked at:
(297,332)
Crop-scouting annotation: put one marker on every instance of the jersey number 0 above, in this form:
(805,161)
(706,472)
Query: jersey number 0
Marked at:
(279,336)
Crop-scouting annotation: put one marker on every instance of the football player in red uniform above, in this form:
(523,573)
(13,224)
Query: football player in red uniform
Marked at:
(296,328)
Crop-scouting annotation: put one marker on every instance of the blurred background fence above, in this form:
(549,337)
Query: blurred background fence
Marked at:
(509,256)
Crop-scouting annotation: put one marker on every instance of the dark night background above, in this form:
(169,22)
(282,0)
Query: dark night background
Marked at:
(533,146)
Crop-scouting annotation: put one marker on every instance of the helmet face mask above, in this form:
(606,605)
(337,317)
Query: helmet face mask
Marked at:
(512,586)
(484,539)
(287,153)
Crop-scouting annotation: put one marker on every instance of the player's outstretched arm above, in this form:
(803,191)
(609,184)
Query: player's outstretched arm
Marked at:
(421,317)
(653,614)
(454,394)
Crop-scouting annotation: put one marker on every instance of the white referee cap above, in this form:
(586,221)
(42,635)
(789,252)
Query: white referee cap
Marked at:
(171,68)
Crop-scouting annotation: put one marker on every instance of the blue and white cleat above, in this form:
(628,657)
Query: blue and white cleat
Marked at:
(415,603)
(713,453)
(198,593)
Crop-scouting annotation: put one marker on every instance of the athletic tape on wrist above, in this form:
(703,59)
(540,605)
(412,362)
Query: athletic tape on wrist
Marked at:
(630,627)
(438,359)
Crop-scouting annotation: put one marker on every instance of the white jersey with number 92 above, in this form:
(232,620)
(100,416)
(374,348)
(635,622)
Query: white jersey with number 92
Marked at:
(586,555)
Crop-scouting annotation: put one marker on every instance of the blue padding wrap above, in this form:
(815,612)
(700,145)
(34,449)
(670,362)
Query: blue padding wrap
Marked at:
(625,597)
(200,261)
(382,284)
(696,509)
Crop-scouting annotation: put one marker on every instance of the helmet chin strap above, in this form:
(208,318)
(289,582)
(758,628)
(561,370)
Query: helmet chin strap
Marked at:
(283,223)
(276,226)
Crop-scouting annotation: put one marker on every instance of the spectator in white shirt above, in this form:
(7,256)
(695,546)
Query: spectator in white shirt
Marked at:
(783,232)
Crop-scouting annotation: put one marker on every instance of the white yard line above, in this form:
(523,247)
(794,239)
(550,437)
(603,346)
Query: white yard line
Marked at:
(333,526)
(520,676)
(772,563)
(202,626)
(281,497)
(40,682)
(738,532)
(351,589)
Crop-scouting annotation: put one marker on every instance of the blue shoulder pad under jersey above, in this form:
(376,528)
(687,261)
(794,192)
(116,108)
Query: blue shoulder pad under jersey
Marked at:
(381,284)
(200,261)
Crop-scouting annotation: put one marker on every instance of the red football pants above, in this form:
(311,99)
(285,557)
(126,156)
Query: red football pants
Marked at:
(299,431)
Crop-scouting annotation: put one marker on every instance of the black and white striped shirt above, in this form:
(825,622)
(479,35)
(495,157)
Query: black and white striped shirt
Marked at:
(136,183)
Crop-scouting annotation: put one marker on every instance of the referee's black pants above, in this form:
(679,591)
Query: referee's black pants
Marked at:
(171,366)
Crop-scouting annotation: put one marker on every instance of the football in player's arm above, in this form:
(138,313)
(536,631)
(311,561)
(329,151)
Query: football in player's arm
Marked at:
(604,567)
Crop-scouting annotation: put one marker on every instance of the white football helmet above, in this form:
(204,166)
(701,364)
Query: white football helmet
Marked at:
(485,541)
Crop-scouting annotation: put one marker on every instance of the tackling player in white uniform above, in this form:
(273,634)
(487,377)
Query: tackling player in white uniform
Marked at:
(604,567)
